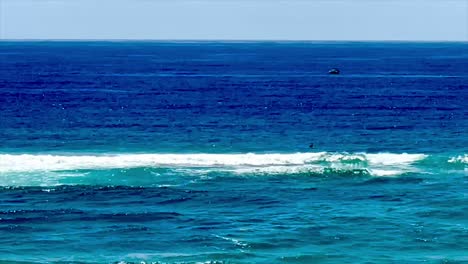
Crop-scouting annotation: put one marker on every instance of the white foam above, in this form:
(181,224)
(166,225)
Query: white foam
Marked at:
(459,159)
(233,240)
(386,173)
(279,170)
(27,162)
(344,157)
(394,159)
(41,162)
(296,169)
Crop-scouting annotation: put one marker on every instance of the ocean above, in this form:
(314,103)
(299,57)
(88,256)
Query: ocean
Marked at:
(233,152)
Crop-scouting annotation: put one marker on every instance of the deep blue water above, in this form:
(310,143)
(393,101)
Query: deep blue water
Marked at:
(194,152)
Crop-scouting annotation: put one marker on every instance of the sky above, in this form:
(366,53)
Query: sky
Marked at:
(406,20)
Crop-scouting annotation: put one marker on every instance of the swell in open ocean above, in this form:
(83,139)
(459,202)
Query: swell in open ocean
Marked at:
(186,152)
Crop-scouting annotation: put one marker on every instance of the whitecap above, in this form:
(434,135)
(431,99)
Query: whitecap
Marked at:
(459,159)
(291,161)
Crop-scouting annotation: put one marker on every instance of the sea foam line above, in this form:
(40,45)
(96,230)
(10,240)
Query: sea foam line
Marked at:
(41,162)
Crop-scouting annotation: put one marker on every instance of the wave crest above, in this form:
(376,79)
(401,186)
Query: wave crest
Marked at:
(41,162)
(459,159)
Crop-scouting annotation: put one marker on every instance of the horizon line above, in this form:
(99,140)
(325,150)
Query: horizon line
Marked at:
(222,40)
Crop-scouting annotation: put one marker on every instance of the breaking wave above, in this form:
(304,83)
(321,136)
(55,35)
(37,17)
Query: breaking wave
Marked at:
(28,162)
(459,159)
(157,169)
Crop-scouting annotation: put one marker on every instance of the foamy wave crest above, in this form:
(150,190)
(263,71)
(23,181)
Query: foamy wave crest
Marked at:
(28,162)
(459,159)
(312,170)
(322,170)
(375,159)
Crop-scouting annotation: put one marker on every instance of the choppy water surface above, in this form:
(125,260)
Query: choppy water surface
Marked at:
(199,152)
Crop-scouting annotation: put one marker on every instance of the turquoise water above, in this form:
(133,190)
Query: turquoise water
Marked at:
(186,152)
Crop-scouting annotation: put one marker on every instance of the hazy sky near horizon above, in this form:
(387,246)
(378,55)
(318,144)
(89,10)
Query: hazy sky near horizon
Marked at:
(430,20)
